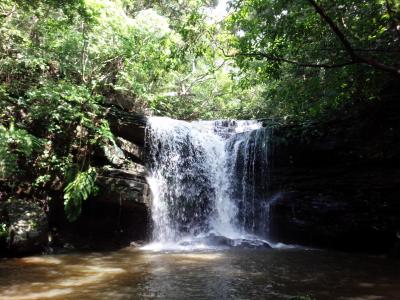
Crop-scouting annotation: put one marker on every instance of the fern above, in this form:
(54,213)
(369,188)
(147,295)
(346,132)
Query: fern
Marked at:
(78,191)
(103,135)
(14,143)
(3,230)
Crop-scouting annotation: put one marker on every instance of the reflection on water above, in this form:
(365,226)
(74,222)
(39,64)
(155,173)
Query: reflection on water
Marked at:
(230,274)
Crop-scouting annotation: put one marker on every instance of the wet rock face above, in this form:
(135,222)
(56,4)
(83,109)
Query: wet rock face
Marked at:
(130,126)
(114,155)
(338,186)
(331,221)
(126,187)
(131,150)
(28,227)
(119,213)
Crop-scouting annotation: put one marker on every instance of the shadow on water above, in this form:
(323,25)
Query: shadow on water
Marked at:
(238,274)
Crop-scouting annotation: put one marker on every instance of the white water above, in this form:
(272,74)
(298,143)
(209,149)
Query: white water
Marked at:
(193,178)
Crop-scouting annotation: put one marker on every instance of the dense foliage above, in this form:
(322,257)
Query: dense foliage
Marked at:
(313,58)
(63,63)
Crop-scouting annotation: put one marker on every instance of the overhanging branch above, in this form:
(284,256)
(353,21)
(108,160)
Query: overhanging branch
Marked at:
(355,57)
(301,64)
(282,59)
(336,30)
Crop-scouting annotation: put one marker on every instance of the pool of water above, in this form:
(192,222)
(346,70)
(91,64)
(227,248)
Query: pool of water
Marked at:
(216,274)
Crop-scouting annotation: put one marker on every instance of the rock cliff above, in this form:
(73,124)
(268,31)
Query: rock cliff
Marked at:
(337,184)
(119,213)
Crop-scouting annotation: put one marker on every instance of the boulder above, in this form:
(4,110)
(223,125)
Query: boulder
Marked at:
(124,187)
(128,125)
(28,227)
(133,151)
(217,241)
(114,155)
(223,241)
(251,244)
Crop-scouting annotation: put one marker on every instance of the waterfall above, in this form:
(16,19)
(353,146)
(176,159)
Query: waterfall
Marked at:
(249,164)
(207,178)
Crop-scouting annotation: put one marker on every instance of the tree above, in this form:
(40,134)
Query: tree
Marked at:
(342,45)
(63,63)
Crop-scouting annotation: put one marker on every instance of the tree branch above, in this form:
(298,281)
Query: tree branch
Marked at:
(10,13)
(393,18)
(335,29)
(282,59)
(363,50)
(356,58)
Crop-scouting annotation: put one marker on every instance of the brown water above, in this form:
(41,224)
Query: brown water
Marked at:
(228,274)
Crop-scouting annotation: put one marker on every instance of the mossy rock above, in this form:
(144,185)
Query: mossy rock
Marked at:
(27,227)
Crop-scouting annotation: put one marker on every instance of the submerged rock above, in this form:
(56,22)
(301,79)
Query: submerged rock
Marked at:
(253,244)
(222,241)
(218,241)
(136,244)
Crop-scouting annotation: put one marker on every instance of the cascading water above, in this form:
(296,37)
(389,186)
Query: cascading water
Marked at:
(248,163)
(208,178)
